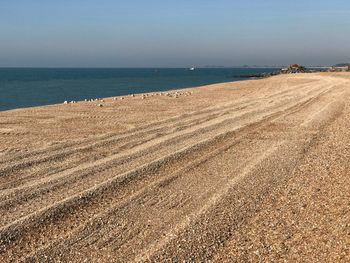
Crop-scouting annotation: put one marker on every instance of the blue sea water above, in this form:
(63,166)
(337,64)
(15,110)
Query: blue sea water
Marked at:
(28,87)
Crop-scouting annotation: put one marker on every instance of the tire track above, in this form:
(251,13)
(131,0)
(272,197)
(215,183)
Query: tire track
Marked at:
(160,184)
(64,179)
(90,236)
(87,149)
(134,132)
(92,192)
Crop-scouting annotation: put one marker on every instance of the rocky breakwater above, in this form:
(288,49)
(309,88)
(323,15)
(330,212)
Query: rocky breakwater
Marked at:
(291,69)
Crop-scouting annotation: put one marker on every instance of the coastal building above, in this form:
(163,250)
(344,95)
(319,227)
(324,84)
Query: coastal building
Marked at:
(339,69)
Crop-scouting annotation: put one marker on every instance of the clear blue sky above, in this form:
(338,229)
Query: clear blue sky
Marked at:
(173,33)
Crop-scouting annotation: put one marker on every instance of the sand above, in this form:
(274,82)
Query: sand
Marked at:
(252,171)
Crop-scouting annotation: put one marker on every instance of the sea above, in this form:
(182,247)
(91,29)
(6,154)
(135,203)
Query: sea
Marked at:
(29,87)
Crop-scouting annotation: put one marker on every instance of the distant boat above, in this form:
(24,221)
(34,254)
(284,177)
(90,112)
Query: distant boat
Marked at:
(192,68)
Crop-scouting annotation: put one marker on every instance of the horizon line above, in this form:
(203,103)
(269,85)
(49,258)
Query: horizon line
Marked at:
(149,67)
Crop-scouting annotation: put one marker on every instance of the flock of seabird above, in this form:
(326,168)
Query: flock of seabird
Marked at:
(175,94)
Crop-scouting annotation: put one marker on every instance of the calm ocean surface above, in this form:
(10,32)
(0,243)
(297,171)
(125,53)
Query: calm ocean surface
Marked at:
(34,87)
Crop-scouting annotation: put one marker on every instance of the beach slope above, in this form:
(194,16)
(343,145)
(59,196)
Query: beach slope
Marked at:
(252,171)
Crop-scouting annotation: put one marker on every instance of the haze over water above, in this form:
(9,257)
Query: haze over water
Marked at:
(167,33)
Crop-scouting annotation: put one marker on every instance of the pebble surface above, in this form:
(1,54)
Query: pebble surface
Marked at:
(253,171)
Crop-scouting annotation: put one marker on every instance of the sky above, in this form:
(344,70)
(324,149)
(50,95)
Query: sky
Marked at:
(173,33)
